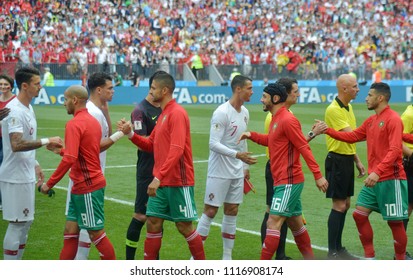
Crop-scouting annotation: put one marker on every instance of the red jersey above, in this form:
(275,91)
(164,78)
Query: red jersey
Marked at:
(383,133)
(170,141)
(285,141)
(81,155)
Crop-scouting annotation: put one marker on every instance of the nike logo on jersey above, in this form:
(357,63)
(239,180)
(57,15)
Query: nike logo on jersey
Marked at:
(153,118)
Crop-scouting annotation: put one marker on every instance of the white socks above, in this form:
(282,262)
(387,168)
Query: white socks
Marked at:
(204,225)
(84,245)
(229,226)
(15,240)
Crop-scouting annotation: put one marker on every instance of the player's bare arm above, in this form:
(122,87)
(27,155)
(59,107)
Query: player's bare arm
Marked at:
(39,175)
(18,144)
(360,166)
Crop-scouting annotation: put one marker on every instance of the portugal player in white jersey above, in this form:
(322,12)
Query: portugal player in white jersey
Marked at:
(19,169)
(227,164)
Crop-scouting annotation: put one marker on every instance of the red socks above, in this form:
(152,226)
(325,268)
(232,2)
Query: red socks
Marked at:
(400,239)
(195,245)
(104,247)
(302,239)
(270,245)
(365,232)
(152,245)
(69,249)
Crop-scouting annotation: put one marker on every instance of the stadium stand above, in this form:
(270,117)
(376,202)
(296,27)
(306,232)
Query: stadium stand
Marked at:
(310,39)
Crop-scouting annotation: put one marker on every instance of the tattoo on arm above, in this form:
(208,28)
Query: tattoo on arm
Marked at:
(18,144)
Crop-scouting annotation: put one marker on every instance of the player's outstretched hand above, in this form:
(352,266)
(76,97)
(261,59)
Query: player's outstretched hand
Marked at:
(244,135)
(246,157)
(126,128)
(55,144)
(319,127)
(322,184)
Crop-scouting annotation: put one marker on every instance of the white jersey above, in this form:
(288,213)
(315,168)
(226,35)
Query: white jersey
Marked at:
(18,167)
(98,114)
(227,125)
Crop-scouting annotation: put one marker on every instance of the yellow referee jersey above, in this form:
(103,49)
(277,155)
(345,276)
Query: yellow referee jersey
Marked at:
(407,119)
(338,117)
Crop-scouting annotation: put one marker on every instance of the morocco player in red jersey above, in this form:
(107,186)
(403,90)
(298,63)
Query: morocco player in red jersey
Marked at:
(81,156)
(171,192)
(286,143)
(385,189)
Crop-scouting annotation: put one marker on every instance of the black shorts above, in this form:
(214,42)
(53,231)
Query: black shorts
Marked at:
(269,182)
(340,175)
(408,168)
(141,199)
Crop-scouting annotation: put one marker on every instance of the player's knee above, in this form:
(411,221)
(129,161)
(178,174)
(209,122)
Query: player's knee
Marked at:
(210,211)
(140,217)
(359,216)
(184,228)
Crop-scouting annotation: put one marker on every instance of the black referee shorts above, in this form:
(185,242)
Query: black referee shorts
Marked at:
(141,199)
(340,175)
(269,183)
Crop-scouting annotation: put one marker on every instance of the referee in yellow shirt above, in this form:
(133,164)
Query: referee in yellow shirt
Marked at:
(339,164)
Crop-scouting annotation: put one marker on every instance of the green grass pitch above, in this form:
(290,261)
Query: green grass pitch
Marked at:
(46,235)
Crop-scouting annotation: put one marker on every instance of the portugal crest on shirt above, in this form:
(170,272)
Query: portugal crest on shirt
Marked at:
(274,126)
(381,124)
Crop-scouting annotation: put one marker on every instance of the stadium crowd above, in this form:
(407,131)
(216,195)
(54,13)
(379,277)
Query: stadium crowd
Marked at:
(314,39)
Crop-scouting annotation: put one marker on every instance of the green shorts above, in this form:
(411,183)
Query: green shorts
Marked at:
(388,198)
(87,210)
(286,200)
(175,204)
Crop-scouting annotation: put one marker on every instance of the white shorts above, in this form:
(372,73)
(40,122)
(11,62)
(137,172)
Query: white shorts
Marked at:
(220,190)
(18,201)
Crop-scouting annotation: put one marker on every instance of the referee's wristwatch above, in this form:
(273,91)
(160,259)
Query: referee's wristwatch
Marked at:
(311,134)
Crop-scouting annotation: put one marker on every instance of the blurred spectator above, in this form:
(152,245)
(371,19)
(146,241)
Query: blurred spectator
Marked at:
(117,78)
(48,78)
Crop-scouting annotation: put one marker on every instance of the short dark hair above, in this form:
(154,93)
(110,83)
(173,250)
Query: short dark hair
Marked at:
(165,79)
(239,81)
(98,79)
(382,89)
(9,79)
(24,75)
(287,82)
(154,74)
